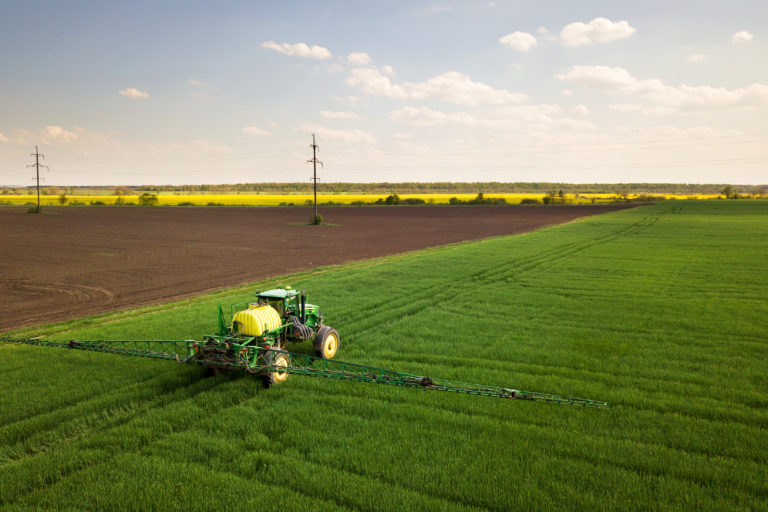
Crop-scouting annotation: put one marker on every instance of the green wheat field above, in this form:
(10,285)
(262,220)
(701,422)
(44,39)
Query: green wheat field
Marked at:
(660,310)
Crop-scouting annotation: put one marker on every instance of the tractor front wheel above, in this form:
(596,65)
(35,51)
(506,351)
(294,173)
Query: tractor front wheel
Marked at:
(276,375)
(326,342)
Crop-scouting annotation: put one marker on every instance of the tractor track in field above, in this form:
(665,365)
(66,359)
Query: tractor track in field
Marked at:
(404,305)
(70,262)
(135,414)
(523,423)
(92,419)
(532,424)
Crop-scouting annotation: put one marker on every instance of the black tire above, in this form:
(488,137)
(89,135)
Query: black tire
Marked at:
(276,359)
(326,342)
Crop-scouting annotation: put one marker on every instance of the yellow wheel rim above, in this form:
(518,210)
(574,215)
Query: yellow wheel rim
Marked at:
(279,376)
(331,345)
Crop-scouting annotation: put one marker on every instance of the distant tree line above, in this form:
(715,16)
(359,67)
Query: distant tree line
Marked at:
(618,189)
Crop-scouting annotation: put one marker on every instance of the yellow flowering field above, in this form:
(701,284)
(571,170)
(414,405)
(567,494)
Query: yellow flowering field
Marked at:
(301,199)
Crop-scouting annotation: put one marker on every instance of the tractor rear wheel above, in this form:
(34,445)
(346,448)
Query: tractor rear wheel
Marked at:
(326,342)
(276,361)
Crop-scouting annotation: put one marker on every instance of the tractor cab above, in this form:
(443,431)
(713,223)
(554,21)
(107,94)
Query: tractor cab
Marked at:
(289,303)
(285,301)
(279,316)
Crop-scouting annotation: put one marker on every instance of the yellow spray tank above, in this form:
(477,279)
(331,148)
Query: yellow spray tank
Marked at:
(251,322)
(277,317)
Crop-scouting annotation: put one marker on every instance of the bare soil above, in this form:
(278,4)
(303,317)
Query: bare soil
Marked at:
(69,262)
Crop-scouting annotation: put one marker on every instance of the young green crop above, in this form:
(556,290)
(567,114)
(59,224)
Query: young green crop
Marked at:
(659,310)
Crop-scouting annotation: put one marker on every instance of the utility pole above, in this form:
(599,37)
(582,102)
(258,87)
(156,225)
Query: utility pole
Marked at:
(315,161)
(37,166)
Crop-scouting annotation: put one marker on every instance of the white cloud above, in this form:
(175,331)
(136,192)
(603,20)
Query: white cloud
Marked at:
(693,132)
(541,117)
(54,134)
(520,41)
(599,30)
(452,86)
(133,93)
(460,89)
(210,147)
(359,59)
(371,81)
(581,109)
(437,9)
(59,134)
(627,107)
(694,59)
(531,118)
(682,97)
(299,50)
(350,101)
(542,30)
(195,148)
(600,78)
(254,130)
(199,90)
(334,67)
(567,92)
(387,70)
(741,37)
(343,135)
(425,116)
(338,115)
(638,107)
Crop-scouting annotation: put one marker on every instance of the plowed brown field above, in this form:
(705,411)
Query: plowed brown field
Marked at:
(68,262)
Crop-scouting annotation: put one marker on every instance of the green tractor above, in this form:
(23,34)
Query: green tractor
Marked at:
(272,320)
(282,315)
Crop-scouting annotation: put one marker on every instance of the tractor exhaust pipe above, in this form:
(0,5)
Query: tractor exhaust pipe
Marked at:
(304,306)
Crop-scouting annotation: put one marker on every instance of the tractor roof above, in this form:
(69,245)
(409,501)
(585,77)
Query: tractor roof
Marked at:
(278,293)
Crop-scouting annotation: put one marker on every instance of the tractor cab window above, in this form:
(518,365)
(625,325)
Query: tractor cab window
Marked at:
(278,304)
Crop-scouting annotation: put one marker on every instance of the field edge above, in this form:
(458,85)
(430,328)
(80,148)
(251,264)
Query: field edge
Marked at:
(57,328)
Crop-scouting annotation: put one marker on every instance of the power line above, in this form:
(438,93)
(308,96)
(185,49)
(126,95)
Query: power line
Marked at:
(645,145)
(586,147)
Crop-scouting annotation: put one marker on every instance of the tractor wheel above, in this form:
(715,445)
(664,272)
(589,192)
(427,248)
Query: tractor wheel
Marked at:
(326,342)
(277,360)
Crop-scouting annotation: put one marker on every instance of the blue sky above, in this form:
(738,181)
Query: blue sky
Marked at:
(231,91)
